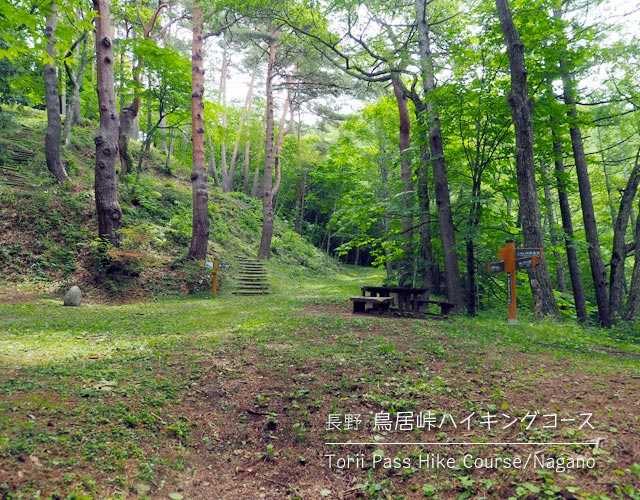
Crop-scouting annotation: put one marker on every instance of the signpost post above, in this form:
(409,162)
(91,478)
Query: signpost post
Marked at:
(214,278)
(514,259)
(214,274)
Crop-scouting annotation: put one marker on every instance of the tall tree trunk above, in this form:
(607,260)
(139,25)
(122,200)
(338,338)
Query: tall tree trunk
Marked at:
(575,274)
(383,165)
(406,273)
(425,253)
(527,189)
(150,129)
(246,115)
(553,231)
(440,182)
(163,133)
(473,220)
(247,166)
(63,97)
(607,178)
(200,192)
(300,185)
(74,99)
(213,168)
(54,122)
(227,180)
(73,108)
(633,303)
(127,116)
(285,127)
(619,253)
(106,191)
(586,202)
(213,165)
(255,185)
(264,251)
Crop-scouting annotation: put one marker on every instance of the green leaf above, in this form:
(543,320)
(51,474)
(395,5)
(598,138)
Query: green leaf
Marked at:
(429,490)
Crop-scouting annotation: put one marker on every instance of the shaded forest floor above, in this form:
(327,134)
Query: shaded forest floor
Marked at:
(232,399)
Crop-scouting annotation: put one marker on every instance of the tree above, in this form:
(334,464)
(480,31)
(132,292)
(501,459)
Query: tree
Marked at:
(520,105)
(268,188)
(227,167)
(619,253)
(75,78)
(437,159)
(169,89)
(348,204)
(54,122)
(479,128)
(285,58)
(200,191)
(407,269)
(106,192)
(570,243)
(379,56)
(130,112)
(633,303)
(584,184)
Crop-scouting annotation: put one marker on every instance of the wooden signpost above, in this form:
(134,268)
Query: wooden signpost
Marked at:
(214,274)
(514,259)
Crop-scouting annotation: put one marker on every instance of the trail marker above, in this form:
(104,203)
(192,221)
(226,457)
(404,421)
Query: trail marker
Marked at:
(214,274)
(514,259)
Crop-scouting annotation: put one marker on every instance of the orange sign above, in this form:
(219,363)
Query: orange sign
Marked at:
(514,259)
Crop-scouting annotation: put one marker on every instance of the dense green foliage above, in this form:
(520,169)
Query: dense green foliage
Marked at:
(341,185)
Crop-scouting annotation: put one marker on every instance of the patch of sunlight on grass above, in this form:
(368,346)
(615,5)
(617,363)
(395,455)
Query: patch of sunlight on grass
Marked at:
(45,332)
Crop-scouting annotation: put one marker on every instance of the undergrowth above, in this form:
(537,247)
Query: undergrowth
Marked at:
(49,232)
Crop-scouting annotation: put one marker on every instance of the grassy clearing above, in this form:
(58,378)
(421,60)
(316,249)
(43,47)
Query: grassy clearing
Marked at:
(230,398)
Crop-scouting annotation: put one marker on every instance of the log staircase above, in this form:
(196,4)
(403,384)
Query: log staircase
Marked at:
(252,277)
(12,160)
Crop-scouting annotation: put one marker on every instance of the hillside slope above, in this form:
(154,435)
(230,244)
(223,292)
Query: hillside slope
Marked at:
(48,232)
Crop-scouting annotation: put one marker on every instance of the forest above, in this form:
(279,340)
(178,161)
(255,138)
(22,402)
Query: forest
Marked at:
(413,137)
(335,146)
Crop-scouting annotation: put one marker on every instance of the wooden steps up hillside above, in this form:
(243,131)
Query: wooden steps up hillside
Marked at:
(252,277)
(10,167)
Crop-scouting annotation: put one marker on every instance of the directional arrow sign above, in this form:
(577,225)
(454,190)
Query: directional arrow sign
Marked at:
(496,267)
(514,259)
(526,262)
(529,252)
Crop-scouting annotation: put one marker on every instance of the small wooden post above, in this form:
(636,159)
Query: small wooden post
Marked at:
(508,254)
(214,278)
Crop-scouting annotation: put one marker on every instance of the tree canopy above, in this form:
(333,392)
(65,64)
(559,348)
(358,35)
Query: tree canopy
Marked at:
(416,136)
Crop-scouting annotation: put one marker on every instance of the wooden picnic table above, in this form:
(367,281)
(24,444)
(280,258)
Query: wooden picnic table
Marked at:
(408,298)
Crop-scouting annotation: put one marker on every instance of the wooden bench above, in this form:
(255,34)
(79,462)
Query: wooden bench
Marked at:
(380,304)
(445,307)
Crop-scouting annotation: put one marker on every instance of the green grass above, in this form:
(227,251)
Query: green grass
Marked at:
(96,394)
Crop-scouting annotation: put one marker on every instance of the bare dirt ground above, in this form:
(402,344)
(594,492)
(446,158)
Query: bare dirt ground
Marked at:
(248,411)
